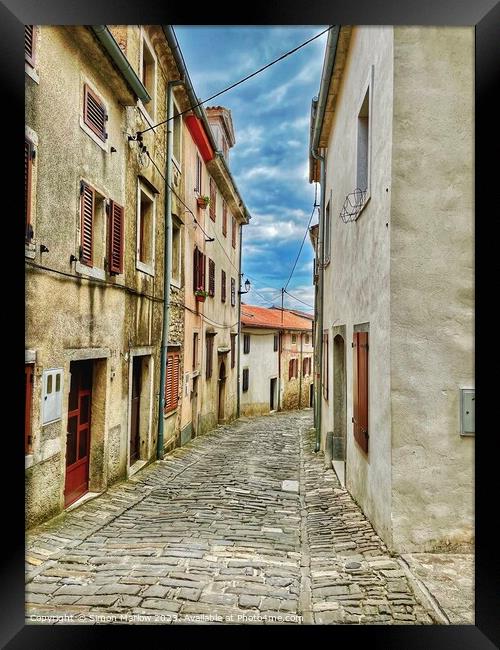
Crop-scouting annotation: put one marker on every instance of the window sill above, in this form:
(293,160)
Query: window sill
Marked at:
(93,136)
(90,271)
(145,268)
(31,72)
(169,414)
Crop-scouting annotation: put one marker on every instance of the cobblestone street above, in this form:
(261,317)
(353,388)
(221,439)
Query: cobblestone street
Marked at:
(242,525)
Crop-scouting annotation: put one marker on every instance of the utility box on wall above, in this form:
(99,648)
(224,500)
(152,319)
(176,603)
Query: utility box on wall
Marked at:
(52,395)
(467,411)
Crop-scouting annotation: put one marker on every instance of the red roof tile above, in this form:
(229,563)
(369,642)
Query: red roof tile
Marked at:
(253,316)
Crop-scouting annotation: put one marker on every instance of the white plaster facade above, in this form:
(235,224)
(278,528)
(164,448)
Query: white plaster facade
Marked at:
(262,363)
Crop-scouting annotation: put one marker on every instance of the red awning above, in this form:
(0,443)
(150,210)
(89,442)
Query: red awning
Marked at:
(197,130)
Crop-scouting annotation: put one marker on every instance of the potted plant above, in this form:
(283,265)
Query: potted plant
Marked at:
(203,202)
(200,294)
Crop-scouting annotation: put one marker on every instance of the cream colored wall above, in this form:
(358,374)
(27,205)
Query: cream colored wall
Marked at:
(357,280)
(432,284)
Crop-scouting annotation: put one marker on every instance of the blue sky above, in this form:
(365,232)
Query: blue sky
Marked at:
(270,159)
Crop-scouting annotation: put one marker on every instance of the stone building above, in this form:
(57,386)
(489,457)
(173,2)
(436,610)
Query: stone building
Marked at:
(276,350)
(394,265)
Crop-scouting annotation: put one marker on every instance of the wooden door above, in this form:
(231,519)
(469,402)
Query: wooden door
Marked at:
(78,432)
(135,410)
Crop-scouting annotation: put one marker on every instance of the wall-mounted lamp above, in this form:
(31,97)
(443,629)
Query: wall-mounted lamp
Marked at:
(73,258)
(247,287)
(43,249)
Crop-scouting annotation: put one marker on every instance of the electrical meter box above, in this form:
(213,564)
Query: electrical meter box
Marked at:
(467,411)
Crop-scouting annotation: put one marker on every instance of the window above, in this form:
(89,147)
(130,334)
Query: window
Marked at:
(52,395)
(293,369)
(94,113)
(233,232)
(223,286)
(213,200)
(145,230)
(28,397)
(199,175)
(360,389)
(275,343)
(233,350)
(209,342)
(306,366)
(115,238)
(198,270)
(87,217)
(177,135)
(363,151)
(29,155)
(246,343)
(307,339)
(172,381)
(245,379)
(327,236)
(29,44)
(211,278)
(224,218)
(176,251)
(325,364)
(195,350)
(148,75)
(233,292)
(294,339)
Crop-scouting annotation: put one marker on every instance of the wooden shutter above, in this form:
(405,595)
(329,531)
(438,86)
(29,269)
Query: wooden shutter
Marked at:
(172,381)
(115,240)
(94,113)
(195,350)
(211,278)
(29,44)
(195,269)
(213,199)
(175,379)
(224,219)
(168,383)
(210,354)
(223,286)
(360,389)
(87,207)
(28,166)
(202,270)
(28,393)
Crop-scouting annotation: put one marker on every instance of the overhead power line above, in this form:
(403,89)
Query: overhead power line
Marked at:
(305,235)
(237,83)
(299,300)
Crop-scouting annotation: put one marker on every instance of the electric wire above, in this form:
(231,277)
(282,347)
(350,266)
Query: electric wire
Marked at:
(305,235)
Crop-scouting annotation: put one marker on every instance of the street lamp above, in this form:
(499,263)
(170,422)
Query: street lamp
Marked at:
(247,287)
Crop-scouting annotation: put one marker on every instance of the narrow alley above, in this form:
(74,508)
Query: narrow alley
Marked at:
(242,525)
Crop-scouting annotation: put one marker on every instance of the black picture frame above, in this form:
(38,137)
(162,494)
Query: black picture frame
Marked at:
(485,16)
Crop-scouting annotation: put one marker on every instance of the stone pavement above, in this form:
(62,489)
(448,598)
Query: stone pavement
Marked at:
(242,525)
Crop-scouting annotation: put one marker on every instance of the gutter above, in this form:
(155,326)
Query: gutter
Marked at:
(198,110)
(106,39)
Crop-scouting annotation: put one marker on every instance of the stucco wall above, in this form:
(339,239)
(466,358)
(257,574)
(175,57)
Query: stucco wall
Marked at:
(356,282)
(262,363)
(291,389)
(432,285)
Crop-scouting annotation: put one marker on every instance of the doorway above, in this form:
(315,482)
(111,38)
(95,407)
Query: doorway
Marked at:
(135,410)
(222,392)
(339,408)
(272,400)
(194,407)
(311,395)
(78,431)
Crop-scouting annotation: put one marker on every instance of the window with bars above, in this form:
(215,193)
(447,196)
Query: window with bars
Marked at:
(325,364)
(95,115)
(360,389)
(246,343)
(233,350)
(29,155)
(172,381)
(224,218)
(246,373)
(213,200)
(209,350)
(211,278)
(198,270)
(29,44)
(233,292)
(233,232)
(223,286)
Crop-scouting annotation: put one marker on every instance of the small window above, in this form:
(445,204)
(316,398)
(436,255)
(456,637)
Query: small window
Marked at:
(246,343)
(209,343)
(362,166)
(198,270)
(307,339)
(148,75)
(293,368)
(176,251)
(223,286)
(233,292)
(275,343)
(199,175)
(245,379)
(95,115)
(211,278)
(93,227)
(52,395)
(294,339)
(145,230)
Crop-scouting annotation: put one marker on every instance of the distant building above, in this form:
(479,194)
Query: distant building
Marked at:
(394,120)
(276,360)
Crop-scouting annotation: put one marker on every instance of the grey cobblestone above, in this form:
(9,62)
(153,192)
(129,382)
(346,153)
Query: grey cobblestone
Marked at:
(211,531)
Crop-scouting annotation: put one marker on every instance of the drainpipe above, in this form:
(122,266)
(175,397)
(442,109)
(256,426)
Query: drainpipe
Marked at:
(238,387)
(300,371)
(167,262)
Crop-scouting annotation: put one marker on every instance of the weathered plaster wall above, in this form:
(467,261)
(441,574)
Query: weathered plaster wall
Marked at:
(262,363)
(291,388)
(356,286)
(432,284)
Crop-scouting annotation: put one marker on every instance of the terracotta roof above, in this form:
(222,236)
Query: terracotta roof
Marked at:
(253,316)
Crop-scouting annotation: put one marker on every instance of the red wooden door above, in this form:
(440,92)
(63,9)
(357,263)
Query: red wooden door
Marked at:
(78,433)
(135,409)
